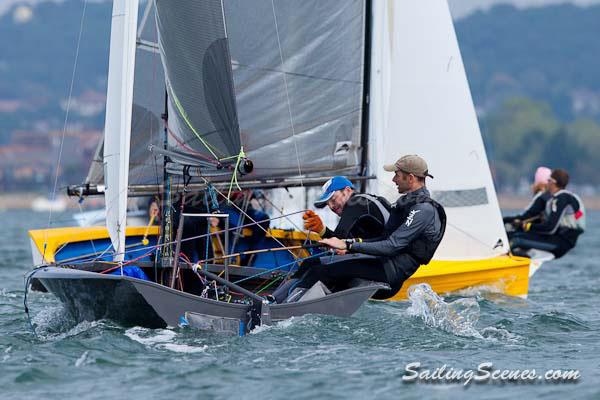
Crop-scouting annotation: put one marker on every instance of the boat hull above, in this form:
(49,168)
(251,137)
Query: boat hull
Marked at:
(135,302)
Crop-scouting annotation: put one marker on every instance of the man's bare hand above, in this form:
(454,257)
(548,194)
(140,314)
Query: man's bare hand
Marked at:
(334,243)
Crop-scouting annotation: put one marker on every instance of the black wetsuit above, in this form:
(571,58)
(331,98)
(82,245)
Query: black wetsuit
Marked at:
(411,236)
(363,216)
(563,222)
(534,209)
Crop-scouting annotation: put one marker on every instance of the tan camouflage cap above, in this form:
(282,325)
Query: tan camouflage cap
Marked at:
(410,164)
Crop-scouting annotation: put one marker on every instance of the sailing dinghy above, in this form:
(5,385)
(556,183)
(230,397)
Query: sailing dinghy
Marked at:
(262,95)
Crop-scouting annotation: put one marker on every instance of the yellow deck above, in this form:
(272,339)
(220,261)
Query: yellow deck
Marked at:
(506,274)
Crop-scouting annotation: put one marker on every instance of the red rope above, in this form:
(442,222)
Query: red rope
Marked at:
(188,148)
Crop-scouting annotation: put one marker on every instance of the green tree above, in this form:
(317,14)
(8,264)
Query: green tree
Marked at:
(517,135)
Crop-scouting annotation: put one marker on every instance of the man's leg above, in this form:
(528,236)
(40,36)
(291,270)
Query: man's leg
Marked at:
(336,272)
(405,267)
(528,240)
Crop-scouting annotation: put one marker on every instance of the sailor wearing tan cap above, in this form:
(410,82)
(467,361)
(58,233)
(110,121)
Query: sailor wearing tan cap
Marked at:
(411,236)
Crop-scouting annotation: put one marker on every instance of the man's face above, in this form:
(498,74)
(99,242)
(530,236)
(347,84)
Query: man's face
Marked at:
(402,181)
(153,210)
(338,200)
(552,186)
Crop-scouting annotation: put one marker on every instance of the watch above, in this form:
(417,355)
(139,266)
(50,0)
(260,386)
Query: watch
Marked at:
(349,243)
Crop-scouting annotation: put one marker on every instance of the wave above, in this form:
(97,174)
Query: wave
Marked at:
(54,324)
(457,317)
(559,321)
(162,339)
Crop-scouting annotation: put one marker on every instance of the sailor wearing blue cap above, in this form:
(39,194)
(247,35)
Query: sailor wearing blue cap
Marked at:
(361,215)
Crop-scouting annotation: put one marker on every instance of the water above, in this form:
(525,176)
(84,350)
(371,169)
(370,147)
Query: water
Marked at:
(310,357)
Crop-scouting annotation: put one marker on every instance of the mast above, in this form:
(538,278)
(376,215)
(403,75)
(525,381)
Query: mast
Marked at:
(364,139)
(167,251)
(117,126)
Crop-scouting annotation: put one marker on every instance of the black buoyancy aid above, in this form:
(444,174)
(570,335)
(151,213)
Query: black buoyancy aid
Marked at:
(421,249)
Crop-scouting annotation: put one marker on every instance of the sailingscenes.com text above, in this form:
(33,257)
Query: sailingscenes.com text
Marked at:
(485,372)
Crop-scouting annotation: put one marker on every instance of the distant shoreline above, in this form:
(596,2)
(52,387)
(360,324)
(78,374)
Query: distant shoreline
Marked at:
(22,201)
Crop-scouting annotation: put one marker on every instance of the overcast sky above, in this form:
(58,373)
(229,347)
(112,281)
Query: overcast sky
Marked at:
(459,8)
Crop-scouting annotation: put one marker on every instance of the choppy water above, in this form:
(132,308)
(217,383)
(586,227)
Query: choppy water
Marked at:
(365,356)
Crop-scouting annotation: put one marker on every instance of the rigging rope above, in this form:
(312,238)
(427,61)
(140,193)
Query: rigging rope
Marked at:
(189,123)
(280,211)
(287,94)
(283,266)
(234,180)
(249,217)
(68,108)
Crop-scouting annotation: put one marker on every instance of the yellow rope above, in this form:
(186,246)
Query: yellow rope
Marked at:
(145,240)
(234,180)
(189,124)
(241,155)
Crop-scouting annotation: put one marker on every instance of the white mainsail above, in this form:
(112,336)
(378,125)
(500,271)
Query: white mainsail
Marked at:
(117,126)
(421,104)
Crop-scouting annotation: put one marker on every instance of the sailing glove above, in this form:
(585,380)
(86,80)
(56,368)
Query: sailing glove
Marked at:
(313,223)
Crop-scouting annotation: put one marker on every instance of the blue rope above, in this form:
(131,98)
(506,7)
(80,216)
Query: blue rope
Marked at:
(28,279)
(214,203)
(282,266)
(208,238)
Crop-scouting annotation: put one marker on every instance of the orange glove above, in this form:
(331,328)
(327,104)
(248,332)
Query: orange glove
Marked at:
(312,222)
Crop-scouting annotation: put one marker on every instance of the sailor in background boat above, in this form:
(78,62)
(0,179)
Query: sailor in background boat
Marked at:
(562,222)
(154,210)
(535,209)
(411,236)
(361,215)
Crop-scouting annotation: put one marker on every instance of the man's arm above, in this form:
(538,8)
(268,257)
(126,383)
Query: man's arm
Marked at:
(419,217)
(534,209)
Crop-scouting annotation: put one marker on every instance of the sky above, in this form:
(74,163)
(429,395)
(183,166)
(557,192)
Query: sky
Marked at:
(459,8)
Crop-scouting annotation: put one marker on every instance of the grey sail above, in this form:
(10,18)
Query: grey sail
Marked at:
(298,72)
(95,174)
(197,66)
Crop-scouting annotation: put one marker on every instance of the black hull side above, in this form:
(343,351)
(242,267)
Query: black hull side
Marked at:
(94,299)
(129,301)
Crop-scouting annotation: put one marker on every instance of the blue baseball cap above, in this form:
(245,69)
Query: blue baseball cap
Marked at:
(335,183)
